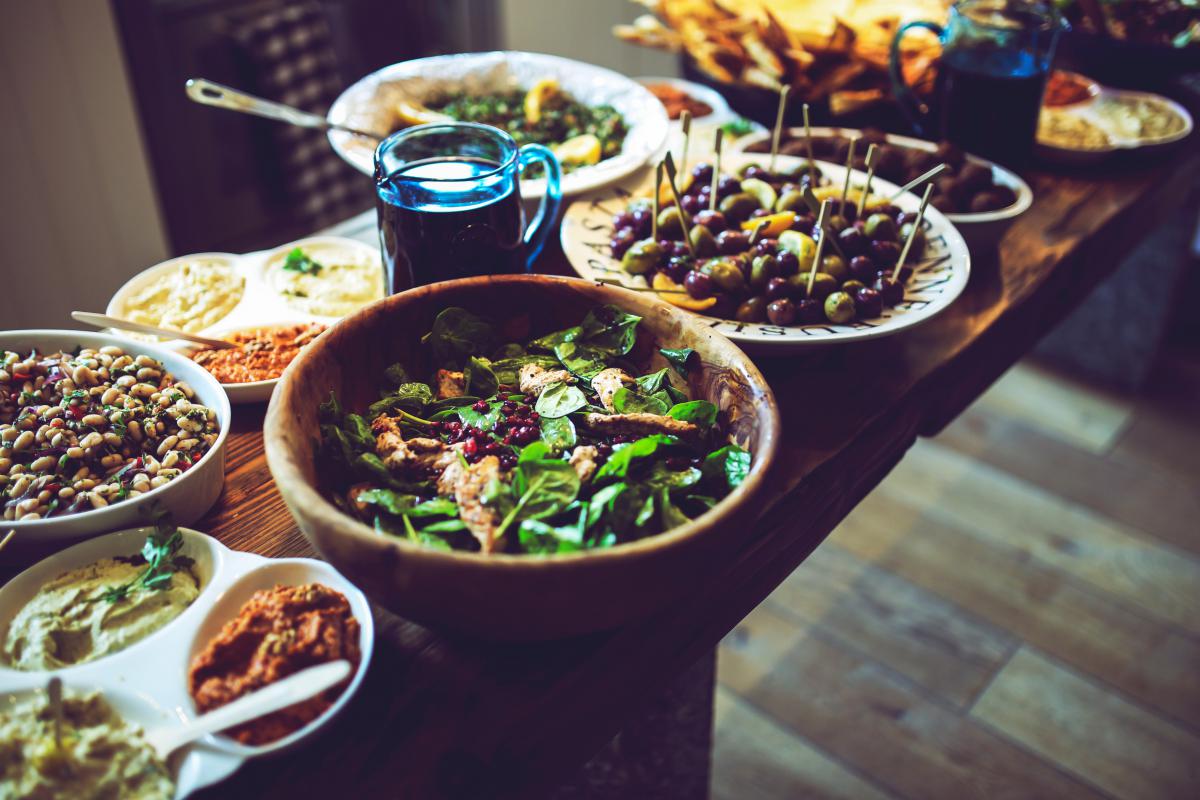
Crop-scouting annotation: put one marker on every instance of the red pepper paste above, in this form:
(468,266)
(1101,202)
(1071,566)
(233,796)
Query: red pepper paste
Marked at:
(276,633)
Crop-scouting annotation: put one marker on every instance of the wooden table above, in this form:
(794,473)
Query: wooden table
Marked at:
(441,716)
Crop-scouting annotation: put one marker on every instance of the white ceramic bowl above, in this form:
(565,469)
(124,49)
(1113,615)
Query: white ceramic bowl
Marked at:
(705,94)
(980,229)
(366,106)
(147,682)
(187,497)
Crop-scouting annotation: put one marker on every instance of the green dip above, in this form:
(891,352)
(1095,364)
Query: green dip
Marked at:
(70,621)
(102,755)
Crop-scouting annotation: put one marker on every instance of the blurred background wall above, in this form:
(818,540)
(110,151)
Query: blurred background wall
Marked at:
(109,168)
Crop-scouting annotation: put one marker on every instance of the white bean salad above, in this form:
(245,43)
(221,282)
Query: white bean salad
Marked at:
(84,430)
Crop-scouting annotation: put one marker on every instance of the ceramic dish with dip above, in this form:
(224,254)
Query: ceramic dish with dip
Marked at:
(316,280)
(147,682)
(1109,121)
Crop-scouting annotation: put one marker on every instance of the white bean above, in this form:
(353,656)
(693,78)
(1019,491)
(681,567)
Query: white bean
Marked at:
(23,441)
(42,464)
(166,444)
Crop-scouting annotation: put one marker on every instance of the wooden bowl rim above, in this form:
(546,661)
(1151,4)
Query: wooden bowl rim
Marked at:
(298,492)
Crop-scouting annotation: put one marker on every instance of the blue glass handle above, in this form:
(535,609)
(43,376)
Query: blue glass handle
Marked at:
(540,226)
(901,90)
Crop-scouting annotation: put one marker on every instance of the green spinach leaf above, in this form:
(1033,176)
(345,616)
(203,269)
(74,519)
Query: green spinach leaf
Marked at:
(457,335)
(669,516)
(558,433)
(478,377)
(582,360)
(727,468)
(484,420)
(700,412)
(411,397)
(678,358)
(558,400)
(617,465)
(630,401)
(610,330)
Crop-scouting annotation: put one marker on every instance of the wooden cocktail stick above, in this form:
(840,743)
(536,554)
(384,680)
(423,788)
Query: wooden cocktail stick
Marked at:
(812,170)
(821,218)
(866,190)
(658,171)
(685,123)
(814,205)
(912,234)
(849,170)
(783,95)
(669,163)
(917,181)
(757,233)
(716,176)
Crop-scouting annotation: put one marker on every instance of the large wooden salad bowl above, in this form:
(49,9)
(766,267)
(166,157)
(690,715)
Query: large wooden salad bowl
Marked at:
(516,597)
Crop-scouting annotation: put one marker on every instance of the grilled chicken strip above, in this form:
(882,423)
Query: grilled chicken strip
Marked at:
(641,425)
(534,378)
(450,384)
(583,459)
(607,382)
(467,484)
(416,457)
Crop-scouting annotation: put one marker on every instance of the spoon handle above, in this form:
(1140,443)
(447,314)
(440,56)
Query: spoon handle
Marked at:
(208,93)
(281,694)
(105,321)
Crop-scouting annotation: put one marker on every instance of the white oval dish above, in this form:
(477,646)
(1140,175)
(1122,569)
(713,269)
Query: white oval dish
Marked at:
(1089,110)
(938,278)
(260,305)
(365,105)
(187,497)
(154,670)
(980,229)
(711,97)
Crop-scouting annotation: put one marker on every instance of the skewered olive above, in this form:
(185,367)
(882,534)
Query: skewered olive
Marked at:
(642,257)
(804,223)
(917,248)
(880,227)
(801,245)
(885,253)
(823,285)
(862,268)
(622,219)
(726,275)
(730,242)
(727,185)
(781,312)
(791,201)
(752,310)
(835,265)
(762,270)
(788,263)
(738,207)
(891,291)
(852,286)
(702,174)
(677,267)
(621,241)
(670,224)
(869,302)
(713,220)
(853,242)
(810,311)
(642,219)
(703,242)
(839,307)
(975,177)
(699,285)
(778,288)
(691,203)
(766,247)
(837,223)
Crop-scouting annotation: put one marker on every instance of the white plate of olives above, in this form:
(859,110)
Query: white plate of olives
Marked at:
(749,267)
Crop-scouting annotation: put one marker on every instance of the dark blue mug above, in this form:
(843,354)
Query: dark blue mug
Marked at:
(448,197)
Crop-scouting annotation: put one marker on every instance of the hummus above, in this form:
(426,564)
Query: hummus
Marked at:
(194,295)
(101,756)
(70,622)
(276,633)
(331,281)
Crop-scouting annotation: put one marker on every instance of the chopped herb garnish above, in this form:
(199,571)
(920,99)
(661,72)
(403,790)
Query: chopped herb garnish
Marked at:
(299,261)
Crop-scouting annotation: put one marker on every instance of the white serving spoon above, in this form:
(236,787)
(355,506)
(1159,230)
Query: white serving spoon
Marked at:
(281,694)
(105,321)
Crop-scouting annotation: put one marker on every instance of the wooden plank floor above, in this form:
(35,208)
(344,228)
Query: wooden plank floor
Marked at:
(1014,612)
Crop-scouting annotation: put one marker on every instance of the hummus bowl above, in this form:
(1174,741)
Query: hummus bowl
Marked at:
(147,682)
(187,497)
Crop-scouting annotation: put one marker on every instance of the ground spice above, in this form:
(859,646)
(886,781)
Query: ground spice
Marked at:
(277,632)
(262,354)
(677,101)
(1065,88)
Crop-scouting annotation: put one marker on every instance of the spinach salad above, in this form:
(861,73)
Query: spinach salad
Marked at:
(553,446)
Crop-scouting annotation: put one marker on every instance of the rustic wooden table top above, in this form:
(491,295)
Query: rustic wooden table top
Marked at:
(440,716)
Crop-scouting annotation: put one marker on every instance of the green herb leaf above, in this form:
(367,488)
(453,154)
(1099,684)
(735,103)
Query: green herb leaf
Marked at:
(298,261)
(410,397)
(484,420)
(678,359)
(727,468)
(617,465)
(581,359)
(558,433)
(630,401)
(457,335)
(610,330)
(700,412)
(669,516)
(558,400)
(478,377)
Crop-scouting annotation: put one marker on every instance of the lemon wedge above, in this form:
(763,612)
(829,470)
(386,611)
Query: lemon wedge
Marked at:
(537,96)
(835,193)
(761,191)
(801,245)
(416,114)
(580,150)
(676,295)
(776,223)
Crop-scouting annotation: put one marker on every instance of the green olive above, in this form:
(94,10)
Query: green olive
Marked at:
(835,265)
(823,285)
(794,173)
(918,246)
(762,269)
(670,224)
(791,201)
(837,223)
(752,310)
(839,307)
(880,226)
(703,242)
(642,257)
(851,287)
(738,207)
(726,275)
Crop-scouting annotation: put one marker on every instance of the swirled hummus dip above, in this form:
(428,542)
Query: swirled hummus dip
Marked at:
(72,620)
(326,279)
(101,755)
(194,295)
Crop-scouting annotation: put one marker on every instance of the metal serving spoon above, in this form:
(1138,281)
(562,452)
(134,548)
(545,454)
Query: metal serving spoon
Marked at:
(214,94)
(281,694)
(105,321)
